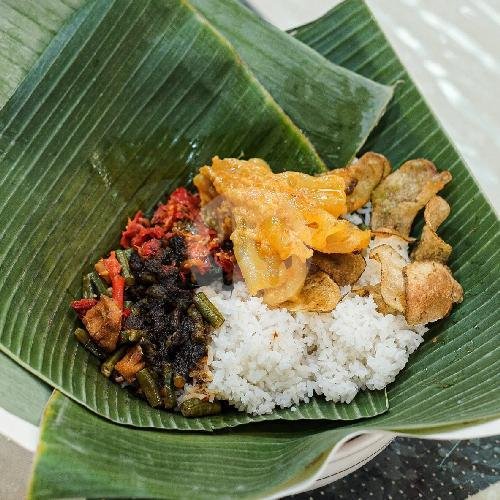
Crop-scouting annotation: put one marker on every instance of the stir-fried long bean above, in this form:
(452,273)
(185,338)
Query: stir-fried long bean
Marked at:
(148,385)
(168,390)
(98,283)
(195,407)
(122,257)
(208,310)
(84,338)
(109,365)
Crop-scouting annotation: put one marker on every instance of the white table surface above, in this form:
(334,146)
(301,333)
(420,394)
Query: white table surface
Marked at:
(451,48)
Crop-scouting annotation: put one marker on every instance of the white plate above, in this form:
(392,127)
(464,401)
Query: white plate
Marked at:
(356,450)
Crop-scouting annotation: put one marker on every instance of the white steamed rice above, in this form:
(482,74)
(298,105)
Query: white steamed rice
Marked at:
(263,358)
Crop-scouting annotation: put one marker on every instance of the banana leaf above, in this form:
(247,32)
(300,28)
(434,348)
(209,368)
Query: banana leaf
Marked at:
(21,394)
(288,69)
(101,460)
(302,84)
(26,28)
(452,380)
(125,103)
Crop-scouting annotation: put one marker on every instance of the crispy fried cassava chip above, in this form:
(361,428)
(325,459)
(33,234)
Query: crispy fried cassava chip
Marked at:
(374,291)
(362,177)
(392,285)
(436,212)
(399,197)
(431,246)
(343,268)
(386,232)
(431,292)
(319,294)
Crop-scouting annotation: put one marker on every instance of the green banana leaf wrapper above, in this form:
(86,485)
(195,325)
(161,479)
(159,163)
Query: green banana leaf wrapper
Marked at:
(450,381)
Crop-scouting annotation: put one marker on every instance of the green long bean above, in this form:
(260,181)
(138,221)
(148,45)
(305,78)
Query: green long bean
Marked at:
(168,390)
(195,407)
(208,310)
(109,365)
(122,256)
(84,338)
(148,385)
(100,286)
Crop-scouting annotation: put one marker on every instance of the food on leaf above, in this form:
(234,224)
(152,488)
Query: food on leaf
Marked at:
(376,295)
(195,407)
(319,294)
(81,306)
(430,246)
(131,363)
(208,310)
(343,268)
(232,294)
(436,212)
(149,386)
(103,323)
(161,324)
(392,286)
(83,337)
(385,232)
(400,196)
(362,177)
(431,292)
(279,219)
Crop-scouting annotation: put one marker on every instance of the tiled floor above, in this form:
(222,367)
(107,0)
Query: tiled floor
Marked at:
(414,469)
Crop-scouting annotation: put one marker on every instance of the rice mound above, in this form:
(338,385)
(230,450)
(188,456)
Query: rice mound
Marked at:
(262,358)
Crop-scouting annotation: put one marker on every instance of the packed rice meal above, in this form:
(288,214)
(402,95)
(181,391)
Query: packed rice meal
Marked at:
(262,290)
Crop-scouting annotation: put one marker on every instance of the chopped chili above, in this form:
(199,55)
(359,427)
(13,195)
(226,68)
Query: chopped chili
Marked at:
(181,205)
(112,265)
(139,231)
(118,287)
(82,306)
(149,248)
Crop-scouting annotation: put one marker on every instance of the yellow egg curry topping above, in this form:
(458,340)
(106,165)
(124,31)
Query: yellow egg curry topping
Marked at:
(277,220)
